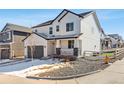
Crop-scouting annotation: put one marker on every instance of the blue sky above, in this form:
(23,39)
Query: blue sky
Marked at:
(112,21)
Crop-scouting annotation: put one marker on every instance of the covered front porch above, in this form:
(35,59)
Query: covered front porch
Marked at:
(65,47)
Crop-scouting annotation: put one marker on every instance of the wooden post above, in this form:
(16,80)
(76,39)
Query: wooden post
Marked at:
(115,55)
(0,54)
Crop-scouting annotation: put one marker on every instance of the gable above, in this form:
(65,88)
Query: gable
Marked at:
(14,27)
(96,24)
(60,16)
(97,21)
(65,13)
(33,34)
(6,28)
(34,39)
(89,27)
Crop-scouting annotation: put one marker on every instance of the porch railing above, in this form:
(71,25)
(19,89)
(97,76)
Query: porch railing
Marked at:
(67,52)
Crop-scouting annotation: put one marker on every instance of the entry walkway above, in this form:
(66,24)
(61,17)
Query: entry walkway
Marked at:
(114,74)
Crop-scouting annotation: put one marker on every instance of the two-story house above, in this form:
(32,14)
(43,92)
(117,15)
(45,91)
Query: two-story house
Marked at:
(118,39)
(68,34)
(11,44)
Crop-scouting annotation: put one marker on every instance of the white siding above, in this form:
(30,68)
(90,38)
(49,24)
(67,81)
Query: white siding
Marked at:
(51,47)
(43,29)
(89,40)
(62,24)
(91,34)
(35,40)
(67,19)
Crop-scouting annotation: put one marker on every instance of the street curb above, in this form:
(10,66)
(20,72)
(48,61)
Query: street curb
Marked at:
(65,77)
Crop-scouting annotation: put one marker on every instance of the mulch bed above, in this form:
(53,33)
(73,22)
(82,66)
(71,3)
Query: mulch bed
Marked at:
(74,68)
(80,66)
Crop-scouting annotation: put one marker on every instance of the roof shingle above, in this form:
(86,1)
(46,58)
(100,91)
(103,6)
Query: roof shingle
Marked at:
(15,27)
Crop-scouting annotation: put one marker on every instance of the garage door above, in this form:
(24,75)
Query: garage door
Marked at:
(5,54)
(35,51)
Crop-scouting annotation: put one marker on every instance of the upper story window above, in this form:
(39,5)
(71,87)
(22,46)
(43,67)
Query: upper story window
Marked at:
(57,28)
(9,36)
(5,36)
(35,30)
(70,43)
(50,30)
(69,27)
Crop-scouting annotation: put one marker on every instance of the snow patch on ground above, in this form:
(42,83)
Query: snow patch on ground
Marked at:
(5,60)
(32,71)
(28,68)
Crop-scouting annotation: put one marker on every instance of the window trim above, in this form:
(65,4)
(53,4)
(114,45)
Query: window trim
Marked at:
(35,30)
(57,28)
(68,28)
(70,44)
(50,30)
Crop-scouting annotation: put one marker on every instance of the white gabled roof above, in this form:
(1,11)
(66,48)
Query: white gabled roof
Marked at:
(65,11)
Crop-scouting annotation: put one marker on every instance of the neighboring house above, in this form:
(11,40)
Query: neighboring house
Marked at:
(102,39)
(68,34)
(113,41)
(11,44)
(119,40)
(109,42)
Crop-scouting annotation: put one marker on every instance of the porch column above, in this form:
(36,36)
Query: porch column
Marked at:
(57,43)
(25,51)
(76,43)
(58,47)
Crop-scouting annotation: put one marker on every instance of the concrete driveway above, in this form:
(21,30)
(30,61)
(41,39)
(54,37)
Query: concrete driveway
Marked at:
(114,74)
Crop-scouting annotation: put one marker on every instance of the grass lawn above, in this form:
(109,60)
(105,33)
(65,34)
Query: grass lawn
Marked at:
(108,54)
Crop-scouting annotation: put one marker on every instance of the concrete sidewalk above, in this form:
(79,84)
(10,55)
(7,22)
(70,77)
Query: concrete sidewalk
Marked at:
(114,74)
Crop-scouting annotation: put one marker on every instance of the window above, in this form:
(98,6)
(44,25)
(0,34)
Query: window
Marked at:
(9,36)
(35,30)
(69,27)
(70,43)
(6,36)
(50,30)
(57,28)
